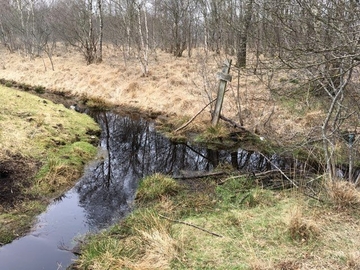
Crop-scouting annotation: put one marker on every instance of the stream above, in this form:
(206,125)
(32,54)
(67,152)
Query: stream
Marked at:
(129,149)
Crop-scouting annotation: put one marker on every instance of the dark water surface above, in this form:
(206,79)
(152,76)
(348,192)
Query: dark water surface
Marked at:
(129,150)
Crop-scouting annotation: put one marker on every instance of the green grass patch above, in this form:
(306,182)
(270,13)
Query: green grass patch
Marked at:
(212,134)
(236,225)
(156,186)
(45,147)
(18,220)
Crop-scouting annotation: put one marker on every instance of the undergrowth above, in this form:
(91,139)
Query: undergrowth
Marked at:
(235,225)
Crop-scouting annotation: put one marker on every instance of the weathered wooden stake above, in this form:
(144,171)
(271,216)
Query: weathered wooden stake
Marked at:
(224,78)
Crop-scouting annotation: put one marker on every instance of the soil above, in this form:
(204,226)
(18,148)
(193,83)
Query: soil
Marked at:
(15,175)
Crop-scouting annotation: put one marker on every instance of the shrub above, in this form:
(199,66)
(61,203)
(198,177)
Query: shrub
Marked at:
(8,84)
(39,89)
(24,86)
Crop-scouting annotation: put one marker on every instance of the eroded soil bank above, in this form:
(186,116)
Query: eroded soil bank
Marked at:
(15,174)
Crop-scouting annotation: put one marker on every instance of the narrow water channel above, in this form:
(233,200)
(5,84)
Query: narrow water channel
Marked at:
(129,149)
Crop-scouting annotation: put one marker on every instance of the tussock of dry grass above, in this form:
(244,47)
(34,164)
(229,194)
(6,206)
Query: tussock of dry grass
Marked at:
(302,229)
(161,248)
(343,194)
(148,247)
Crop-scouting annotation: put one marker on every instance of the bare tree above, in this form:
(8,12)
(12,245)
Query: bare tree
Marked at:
(99,57)
(144,40)
(320,39)
(75,23)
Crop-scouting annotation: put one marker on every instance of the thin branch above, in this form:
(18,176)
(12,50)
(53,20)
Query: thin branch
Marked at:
(191,225)
(232,122)
(291,181)
(192,119)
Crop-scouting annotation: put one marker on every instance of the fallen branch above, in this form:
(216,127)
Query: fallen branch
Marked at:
(192,119)
(191,225)
(198,174)
(256,175)
(232,122)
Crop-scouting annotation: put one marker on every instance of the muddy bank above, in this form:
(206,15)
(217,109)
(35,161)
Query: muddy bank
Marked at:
(15,175)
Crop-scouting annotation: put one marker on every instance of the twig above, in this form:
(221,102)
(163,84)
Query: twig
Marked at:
(313,197)
(244,198)
(191,225)
(291,181)
(192,119)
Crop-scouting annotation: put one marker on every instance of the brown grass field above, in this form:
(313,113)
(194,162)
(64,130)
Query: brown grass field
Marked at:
(260,229)
(175,86)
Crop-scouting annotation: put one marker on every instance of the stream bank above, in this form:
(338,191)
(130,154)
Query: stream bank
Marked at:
(130,149)
(43,148)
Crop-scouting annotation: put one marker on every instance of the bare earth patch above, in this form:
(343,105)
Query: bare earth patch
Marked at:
(15,175)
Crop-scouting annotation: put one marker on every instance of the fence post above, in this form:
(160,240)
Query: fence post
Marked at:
(224,78)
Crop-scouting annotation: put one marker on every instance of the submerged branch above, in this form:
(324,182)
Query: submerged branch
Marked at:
(197,174)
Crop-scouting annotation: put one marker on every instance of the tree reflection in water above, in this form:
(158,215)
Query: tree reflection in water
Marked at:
(131,149)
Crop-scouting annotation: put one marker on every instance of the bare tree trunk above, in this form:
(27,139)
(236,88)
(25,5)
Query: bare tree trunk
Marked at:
(206,32)
(32,27)
(101,26)
(22,21)
(144,46)
(243,35)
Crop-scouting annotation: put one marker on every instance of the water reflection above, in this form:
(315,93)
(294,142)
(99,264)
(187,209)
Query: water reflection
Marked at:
(132,149)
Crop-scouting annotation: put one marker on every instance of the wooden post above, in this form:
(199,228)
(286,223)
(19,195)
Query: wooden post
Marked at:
(224,78)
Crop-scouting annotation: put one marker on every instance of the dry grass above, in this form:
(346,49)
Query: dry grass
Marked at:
(302,229)
(176,86)
(149,246)
(290,232)
(343,194)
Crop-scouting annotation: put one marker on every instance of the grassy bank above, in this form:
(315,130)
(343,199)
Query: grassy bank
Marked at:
(43,149)
(236,225)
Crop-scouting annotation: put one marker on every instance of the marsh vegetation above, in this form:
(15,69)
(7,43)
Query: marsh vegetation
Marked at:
(294,91)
